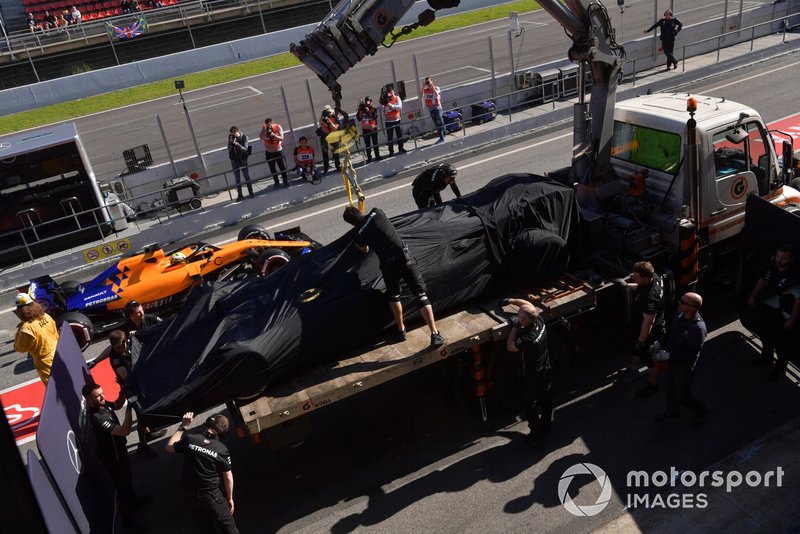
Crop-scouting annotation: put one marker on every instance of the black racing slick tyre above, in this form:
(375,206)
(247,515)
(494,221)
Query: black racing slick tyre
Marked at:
(253,231)
(271,260)
(81,326)
(69,287)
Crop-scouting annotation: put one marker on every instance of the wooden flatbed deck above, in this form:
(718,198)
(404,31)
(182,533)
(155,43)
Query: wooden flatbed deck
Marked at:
(475,324)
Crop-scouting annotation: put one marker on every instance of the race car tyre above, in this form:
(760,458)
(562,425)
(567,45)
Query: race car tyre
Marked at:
(81,326)
(69,287)
(271,260)
(253,231)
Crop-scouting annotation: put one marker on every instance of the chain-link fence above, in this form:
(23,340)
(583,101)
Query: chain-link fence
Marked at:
(35,58)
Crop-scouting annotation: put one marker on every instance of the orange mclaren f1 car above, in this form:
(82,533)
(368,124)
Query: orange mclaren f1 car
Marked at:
(161,281)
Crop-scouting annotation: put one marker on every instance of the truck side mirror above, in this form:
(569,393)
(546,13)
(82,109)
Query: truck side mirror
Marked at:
(736,136)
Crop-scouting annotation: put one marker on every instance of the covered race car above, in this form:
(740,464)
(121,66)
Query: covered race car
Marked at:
(161,281)
(233,339)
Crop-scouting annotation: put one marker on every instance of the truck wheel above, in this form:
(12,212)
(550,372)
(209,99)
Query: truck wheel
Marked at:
(81,326)
(253,231)
(195,203)
(271,260)
(69,287)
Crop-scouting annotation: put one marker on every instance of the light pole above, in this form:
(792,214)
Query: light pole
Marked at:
(179,85)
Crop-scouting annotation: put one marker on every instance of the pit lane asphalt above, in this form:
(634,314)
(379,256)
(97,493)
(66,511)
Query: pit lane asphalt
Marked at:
(411,456)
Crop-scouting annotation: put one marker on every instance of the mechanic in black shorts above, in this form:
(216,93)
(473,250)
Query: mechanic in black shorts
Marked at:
(111,445)
(376,232)
(137,320)
(205,460)
(119,356)
(648,302)
(528,335)
(426,187)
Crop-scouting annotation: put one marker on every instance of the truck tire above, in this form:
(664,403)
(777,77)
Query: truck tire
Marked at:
(81,326)
(253,231)
(69,287)
(271,260)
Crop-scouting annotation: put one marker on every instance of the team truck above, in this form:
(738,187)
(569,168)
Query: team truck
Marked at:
(661,177)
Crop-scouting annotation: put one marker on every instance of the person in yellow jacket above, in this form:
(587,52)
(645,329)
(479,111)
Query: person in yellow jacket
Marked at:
(36,334)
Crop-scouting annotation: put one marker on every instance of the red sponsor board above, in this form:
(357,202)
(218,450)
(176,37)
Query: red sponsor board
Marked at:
(23,403)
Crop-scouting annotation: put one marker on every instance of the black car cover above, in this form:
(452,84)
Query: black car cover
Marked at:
(233,339)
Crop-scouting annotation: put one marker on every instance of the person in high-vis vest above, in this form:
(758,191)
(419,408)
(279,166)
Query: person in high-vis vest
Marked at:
(432,97)
(36,335)
(272,135)
(392,110)
(328,123)
(368,117)
(304,162)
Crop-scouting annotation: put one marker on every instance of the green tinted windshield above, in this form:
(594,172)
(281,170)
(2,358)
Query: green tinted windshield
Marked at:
(647,147)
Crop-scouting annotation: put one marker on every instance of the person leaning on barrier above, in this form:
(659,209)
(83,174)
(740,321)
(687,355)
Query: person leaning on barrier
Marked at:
(528,336)
(205,460)
(670,27)
(238,150)
(36,335)
(376,233)
(427,187)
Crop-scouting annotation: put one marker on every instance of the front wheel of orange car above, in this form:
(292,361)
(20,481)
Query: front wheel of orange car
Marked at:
(253,231)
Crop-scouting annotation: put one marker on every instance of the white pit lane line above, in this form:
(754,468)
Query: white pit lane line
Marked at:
(505,29)
(220,98)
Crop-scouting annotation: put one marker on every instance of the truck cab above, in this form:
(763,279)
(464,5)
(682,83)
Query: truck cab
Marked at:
(653,191)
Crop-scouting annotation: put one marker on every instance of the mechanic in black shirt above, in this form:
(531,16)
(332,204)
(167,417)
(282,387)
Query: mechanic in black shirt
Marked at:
(119,356)
(765,321)
(427,187)
(648,302)
(376,232)
(528,335)
(684,341)
(111,444)
(205,460)
(136,319)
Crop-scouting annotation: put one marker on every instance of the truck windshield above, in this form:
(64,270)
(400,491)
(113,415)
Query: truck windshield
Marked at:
(646,147)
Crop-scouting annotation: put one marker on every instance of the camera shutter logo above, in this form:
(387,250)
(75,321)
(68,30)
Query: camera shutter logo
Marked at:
(586,510)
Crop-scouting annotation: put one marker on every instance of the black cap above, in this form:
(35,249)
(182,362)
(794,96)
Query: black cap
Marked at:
(367,98)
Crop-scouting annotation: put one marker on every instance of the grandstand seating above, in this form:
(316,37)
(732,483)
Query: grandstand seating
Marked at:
(90,9)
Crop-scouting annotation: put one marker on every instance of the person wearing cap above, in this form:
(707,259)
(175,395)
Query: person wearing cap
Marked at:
(36,335)
(432,97)
(136,319)
(670,27)
(427,187)
(368,117)
(205,460)
(685,339)
(328,123)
